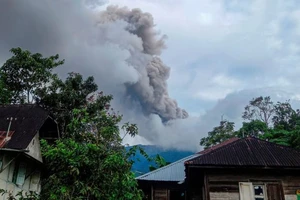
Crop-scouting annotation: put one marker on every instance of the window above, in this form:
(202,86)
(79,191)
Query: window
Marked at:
(259,192)
(20,173)
(249,191)
(35,180)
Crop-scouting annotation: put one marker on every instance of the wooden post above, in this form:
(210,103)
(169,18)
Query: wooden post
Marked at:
(206,187)
(152,192)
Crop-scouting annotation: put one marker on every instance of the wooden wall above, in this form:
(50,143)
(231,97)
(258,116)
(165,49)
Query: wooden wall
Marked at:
(226,186)
(290,184)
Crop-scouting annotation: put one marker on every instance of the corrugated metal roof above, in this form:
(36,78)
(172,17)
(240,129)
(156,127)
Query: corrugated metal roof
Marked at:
(249,152)
(27,120)
(218,145)
(172,172)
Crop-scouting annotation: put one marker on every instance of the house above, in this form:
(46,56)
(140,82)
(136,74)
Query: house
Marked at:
(244,169)
(166,183)
(21,163)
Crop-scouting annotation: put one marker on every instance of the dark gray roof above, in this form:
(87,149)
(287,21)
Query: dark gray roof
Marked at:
(27,120)
(249,152)
(172,172)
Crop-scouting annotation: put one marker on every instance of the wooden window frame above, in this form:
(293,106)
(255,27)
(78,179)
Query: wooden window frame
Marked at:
(17,173)
(265,196)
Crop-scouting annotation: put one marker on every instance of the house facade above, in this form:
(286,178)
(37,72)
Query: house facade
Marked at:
(244,169)
(21,163)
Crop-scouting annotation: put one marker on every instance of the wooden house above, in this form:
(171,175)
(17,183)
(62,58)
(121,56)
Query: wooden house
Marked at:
(244,169)
(21,163)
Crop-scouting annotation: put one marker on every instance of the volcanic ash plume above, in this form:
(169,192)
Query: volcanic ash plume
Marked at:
(150,91)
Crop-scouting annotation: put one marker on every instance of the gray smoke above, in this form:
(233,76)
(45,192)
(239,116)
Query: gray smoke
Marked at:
(119,47)
(151,88)
(140,24)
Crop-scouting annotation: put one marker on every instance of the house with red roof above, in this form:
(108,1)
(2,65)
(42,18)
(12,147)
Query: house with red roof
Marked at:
(244,169)
(21,163)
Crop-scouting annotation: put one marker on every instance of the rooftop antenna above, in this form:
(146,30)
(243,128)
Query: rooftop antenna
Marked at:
(9,125)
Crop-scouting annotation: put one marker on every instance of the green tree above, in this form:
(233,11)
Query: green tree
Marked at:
(254,128)
(286,126)
(260,112)
(24,72)
(159,162)
(90,163)
(285,116)
(219,134)
(278,136)
(259,108)
(5,94)
(61,97)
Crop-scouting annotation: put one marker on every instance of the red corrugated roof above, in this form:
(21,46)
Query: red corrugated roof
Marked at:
(3,136)
(249,152)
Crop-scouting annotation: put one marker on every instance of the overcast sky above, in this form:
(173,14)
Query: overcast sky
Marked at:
(216,47)
(221,54)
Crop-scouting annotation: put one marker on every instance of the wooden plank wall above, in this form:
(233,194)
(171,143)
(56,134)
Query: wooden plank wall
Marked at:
(290,184)
(228,185)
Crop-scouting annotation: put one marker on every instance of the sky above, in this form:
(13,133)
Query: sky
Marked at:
(222,46)
(217,56)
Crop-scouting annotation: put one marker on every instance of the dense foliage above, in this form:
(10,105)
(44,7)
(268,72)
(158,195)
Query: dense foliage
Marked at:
(89,161)
(25,72)
(219,134)
(278,123)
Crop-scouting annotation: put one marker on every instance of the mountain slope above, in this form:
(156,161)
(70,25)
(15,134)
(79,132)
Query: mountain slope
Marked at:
(141,165)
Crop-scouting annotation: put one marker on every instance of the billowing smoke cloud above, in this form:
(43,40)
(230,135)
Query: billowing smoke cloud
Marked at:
(151,88)
(119,47)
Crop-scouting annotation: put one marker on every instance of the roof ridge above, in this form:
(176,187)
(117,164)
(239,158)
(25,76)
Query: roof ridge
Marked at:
(246,138)
(250,151)
(169,165)
(274,144)
(224,146)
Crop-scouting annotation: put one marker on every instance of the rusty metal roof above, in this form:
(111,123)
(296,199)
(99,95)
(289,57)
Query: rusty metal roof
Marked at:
(249,152)
(5,137)
(26,121)
(218,145)
(172,172)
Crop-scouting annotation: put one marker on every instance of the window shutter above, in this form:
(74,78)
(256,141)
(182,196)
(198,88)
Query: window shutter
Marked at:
(246,191)
(21,174)
(274,192)
(35,179)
